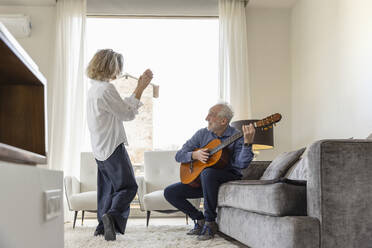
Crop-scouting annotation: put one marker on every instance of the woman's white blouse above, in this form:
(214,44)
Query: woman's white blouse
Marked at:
(106,111)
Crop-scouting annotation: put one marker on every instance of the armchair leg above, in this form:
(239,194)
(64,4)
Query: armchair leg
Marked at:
(187,219)
(148,218)
(82,218)
(76,213)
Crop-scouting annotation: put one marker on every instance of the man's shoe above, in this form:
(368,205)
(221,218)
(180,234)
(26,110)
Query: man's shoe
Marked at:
(109,227)
(98,232)
(197,227)
(209,230)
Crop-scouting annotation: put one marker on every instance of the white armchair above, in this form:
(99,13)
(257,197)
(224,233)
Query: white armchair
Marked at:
(82,195)
(160,170)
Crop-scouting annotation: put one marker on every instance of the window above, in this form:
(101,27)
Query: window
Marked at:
(183,55)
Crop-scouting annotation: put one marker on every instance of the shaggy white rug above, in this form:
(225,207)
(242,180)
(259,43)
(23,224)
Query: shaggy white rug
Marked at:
(141,237)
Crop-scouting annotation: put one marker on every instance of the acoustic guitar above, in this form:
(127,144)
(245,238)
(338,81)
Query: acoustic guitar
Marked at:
(218,156)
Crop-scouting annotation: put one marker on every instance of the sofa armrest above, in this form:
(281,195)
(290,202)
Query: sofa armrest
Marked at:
(255,170)
(72,186)
(339,191)
(141,190)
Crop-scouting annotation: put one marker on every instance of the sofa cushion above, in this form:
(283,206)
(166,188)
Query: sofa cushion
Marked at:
(255,170)
(269,197)
(262,231)
(279,166)
(299,171)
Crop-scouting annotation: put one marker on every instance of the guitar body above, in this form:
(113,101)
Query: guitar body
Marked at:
(189,172)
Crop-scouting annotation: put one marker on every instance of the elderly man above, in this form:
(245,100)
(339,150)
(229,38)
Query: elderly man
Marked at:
(241,155)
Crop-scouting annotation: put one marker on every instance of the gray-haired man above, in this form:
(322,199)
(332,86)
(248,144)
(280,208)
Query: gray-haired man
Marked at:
(241,155)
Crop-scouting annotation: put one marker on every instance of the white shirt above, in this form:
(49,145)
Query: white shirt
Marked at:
(106,111)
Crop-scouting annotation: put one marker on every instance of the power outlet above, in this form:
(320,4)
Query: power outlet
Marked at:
(52,203)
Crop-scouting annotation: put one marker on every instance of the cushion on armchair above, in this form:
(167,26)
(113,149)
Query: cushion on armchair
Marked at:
(280,165)
(156,201)
(84,201)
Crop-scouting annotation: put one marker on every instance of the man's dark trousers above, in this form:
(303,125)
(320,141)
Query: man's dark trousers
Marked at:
(116,188)
(211,179)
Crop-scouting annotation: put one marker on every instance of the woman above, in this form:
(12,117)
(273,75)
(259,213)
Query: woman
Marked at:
(116,185)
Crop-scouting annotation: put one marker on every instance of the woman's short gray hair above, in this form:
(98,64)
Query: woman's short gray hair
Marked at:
(226,111)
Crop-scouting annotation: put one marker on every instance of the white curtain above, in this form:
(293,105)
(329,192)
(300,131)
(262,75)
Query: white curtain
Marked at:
(67,93)
(233,58)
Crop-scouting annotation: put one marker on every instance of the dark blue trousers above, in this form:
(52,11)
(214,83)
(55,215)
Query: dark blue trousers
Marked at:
(211,179)
(116,188)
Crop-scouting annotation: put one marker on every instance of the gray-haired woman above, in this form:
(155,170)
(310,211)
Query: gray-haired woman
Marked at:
(106,110)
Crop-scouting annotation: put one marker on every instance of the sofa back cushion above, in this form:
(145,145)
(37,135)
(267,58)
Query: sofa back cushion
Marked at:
(299,170)
(280,165)
(255,170)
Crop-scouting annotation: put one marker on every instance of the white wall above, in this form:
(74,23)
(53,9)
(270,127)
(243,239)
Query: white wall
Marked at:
(331,70)
(269,68)
(40,44)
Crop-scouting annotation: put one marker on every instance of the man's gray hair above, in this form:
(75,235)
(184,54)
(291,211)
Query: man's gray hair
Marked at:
(226,111)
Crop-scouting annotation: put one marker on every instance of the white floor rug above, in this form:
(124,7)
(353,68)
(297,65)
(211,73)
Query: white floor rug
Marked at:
(141,237)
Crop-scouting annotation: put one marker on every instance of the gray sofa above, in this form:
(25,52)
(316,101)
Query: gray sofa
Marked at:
(332,209)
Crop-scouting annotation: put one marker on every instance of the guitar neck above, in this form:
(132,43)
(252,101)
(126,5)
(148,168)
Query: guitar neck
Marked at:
(227,142)
(230,140)
(265,123)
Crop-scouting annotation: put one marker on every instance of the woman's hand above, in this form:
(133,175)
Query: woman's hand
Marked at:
(248,131)
(145,79)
